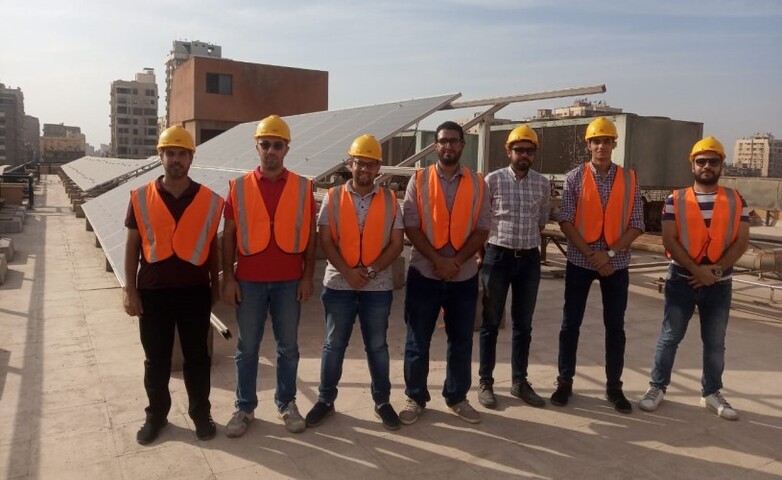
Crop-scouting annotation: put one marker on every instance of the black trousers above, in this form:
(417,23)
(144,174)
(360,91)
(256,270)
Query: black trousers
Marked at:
(188,310)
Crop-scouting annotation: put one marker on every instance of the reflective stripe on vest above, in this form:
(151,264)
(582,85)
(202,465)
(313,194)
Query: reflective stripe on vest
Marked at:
(592,221)
(358,245)
(292,220)
(162,236)
(698,240)
(440,225)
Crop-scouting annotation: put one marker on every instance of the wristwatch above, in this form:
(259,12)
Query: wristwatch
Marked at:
(717,271)
(611,253)
(371,273)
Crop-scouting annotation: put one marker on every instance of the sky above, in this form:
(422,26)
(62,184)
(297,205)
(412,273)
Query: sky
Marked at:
(715,62)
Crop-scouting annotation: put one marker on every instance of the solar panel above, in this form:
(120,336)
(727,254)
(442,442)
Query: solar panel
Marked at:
(319,145)
(90,172)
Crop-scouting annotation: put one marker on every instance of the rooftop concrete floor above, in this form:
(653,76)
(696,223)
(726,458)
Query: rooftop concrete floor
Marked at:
(72,399)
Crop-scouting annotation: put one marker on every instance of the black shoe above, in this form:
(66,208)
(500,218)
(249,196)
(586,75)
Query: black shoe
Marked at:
(615,396)
(524,391)
(389,417)
(205,428)
(486,396)
(149,431)
(563,392)
(318,414)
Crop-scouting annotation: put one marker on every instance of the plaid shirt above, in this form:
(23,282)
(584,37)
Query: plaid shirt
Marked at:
(519,207)
(567,213)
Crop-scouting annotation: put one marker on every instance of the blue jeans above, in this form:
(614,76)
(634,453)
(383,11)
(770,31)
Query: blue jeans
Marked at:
(714,308)
(424,297)
(341,308)
(613,289)
(278,299)
(502,269)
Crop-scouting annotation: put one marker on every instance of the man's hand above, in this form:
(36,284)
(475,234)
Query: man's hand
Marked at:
(606,270)
(232,294)
(357,277)
(446,268)
(132,303)
(304,290)
(598,259)
(703,276)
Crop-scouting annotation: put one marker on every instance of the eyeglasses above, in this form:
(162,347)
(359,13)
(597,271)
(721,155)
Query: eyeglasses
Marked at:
(265,145)
(448,141)
(523,150)
(712,161)
(365,165)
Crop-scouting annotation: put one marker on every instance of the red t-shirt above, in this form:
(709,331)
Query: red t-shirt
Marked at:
(172,272)
(272,264)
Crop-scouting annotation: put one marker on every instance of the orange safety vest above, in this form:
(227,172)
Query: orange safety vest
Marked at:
(163,237)
(292,220)
(698,240)
(438,224)
(592,221)
(357,245)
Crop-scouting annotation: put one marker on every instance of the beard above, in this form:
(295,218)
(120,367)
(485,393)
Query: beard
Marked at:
(521,166)
(712,180)
(448,159)
(175,171)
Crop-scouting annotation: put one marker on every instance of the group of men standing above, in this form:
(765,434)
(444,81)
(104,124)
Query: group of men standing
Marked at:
(466,232)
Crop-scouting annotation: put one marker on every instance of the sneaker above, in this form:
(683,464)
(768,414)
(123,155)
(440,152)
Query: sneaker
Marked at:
(464,410)
(238,423)
(205,428)
(617,397)
(149,431)
(388,416)
(410,412)
(318,414)
(717,404)
(486,396)
(292,418)
(524,391)
(562,394)
(652,399)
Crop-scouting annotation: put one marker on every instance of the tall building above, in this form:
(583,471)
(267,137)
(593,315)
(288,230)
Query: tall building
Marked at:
(211,95)
(760,154)
(11,126)
(134,116)
(181,52)
(32,139)
(61,143)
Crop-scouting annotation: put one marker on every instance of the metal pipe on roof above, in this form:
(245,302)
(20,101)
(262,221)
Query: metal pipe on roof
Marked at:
(755,259)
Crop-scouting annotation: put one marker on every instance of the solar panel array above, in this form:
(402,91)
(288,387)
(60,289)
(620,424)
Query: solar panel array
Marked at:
(318,147)
(90,172)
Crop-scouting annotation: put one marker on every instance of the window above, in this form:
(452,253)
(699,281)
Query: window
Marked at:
(123,121)
(123,90)
(150,111)
(137,111)
(150,92)
(152,131)
(122,109)
(219,83)
(152,121)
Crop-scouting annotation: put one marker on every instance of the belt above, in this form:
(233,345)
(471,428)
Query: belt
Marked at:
(523,252)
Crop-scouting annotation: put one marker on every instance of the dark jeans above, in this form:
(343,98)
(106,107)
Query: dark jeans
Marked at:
(502,269)
(424,297)
(341,308)
(614,292)
(187,310)
(713,309)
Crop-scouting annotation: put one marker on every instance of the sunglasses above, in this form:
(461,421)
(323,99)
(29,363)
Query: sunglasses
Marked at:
(265,145)
(524,150)
(713,162)
(365,165)
(448,141)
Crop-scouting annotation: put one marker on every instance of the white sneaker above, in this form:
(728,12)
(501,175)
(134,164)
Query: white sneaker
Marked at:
(238,423)
(652,399)
(294,422)
(717,404)
(410,412)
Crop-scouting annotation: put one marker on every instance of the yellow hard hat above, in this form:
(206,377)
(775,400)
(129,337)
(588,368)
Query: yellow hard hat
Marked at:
(175,136)
(708,144)
(273,126)
(522,132)
(601,127)
(366,146)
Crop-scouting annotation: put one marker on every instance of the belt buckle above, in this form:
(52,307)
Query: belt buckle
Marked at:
(519,253)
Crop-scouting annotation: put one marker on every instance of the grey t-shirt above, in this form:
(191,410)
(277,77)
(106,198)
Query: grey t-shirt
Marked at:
(332,278)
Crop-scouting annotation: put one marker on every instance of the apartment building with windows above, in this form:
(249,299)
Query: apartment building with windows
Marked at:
(181,51)
(760,153)
(134,116)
